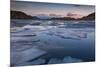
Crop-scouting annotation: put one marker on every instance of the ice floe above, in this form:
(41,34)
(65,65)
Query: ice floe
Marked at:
(54,61)
(69,59)
(27,43)
(26,55)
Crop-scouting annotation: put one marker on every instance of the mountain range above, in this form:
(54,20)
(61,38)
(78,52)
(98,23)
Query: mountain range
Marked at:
(89,17)
(22,15)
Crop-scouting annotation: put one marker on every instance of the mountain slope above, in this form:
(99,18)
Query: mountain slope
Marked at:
(89,17)
(20,15)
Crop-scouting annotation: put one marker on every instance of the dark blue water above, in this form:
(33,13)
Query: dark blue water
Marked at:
(75,39)
(78,47)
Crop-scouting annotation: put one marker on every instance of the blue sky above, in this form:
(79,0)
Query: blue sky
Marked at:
(35,8)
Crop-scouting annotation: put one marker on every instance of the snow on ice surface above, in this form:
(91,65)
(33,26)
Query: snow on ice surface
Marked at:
(68,33)
(31,33)
(38,28)
(23,48)
(36,62)
(26,55)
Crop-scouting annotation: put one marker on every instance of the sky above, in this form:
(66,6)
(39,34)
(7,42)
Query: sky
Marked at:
(52,9)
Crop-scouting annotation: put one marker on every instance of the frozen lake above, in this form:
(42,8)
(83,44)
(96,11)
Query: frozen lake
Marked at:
(49,42)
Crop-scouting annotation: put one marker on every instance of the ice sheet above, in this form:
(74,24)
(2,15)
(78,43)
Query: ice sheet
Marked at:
(21,57)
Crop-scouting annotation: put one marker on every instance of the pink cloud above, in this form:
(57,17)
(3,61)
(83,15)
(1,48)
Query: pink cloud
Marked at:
(74,15)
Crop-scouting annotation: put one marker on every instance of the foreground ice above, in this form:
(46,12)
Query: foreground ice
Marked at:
(54,30)
(22,57)
(67,59)
(54,61)
(38,28)
(35,62)
(25,48)
(68,33)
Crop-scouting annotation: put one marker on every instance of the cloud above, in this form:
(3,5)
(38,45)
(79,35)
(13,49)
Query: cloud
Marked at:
(71,14)
(74,15)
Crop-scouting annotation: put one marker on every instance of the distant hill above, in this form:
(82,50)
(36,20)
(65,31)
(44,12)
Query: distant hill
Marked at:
(21,15)
(46,17)
(89,17)
(63,18)
(43,16)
